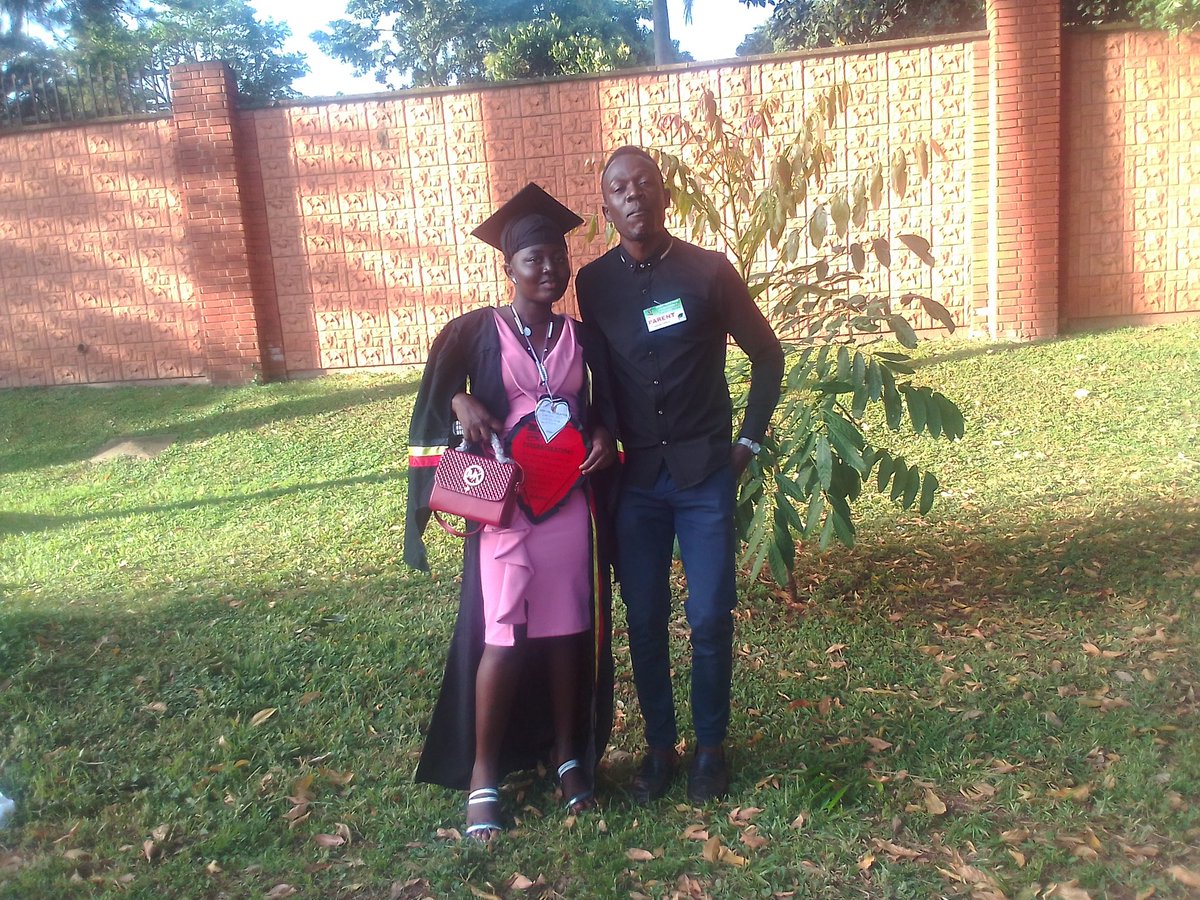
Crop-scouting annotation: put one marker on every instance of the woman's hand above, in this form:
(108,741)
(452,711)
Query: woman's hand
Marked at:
(603,453)
(477,423)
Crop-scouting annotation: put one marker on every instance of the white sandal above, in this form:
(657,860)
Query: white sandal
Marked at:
(479,831)
(583,797)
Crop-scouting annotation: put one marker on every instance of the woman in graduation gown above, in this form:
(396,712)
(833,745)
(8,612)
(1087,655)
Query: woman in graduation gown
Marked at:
(528,678)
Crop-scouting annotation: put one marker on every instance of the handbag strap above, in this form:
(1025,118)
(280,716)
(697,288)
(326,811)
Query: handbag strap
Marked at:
(450,529)
(497,448)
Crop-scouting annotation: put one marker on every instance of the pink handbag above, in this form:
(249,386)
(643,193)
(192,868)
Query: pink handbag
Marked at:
(479,488)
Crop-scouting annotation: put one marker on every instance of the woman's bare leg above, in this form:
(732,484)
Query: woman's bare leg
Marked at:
(495,682)
(567,657)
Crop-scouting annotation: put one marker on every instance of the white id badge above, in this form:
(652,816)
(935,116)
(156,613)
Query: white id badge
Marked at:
(551,417)
(663,315)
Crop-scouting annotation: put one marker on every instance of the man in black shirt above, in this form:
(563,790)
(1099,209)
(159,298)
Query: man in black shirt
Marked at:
(667,308)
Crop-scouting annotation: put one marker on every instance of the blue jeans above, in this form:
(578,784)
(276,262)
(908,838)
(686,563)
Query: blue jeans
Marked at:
(648,521)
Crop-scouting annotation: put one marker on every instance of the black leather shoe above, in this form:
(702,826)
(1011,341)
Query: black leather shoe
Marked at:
(654,776)
(708,777)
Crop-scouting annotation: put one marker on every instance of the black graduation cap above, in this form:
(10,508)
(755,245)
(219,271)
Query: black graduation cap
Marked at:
(531,217)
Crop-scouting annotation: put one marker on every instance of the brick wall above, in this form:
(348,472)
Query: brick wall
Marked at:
(1131,178)
(1024,66)
(224,244)
(370,204)
(95,281)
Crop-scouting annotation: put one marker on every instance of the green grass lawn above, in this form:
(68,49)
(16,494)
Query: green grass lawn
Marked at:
(215,669)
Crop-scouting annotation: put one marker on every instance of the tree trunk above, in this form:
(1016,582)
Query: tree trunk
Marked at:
(664,52)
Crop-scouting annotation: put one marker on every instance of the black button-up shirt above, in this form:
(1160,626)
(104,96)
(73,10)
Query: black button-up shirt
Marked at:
(667,322)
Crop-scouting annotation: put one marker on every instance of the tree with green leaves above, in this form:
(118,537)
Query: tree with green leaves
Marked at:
(416,43)
(1168,15)
(64,19)
(804,24)
(578,37)
(806,245)
(198,30)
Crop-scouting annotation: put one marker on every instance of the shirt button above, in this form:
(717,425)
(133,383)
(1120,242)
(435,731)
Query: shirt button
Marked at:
(656,381)
(664,443)
(660,412)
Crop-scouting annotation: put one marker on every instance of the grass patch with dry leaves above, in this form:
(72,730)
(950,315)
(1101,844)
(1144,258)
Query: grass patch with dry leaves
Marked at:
(215,671)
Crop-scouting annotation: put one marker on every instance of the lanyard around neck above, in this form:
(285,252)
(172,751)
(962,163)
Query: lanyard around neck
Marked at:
(538,361)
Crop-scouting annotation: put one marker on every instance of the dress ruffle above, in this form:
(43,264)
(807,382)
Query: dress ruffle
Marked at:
(511,551)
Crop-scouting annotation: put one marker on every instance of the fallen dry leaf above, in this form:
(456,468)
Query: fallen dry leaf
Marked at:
(798,822)
(262,715)
(76,855)
(743,813)
(11,861)
(1014,836)
(213,867)
(978,792)
(520,883)
(156,707)
(481,894)
(302,789)
(934,804)
(695,833)
(637,854)
(1081,793)
(341,779)
(70,834)
(1139,853)
(1018,858)
(878,744)
(752,839)
(151,850)
(1068,891)
(896,851)
(281,890)
(449,834)
(308,697)
(866,862)
(328,840)
(1186,877)
(715,852)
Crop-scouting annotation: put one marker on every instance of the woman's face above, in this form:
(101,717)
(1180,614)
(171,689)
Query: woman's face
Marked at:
(541,272)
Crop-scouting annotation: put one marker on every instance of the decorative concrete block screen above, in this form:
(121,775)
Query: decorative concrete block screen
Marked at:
(222,245)
(1131,178)
(370,204)
(96,284)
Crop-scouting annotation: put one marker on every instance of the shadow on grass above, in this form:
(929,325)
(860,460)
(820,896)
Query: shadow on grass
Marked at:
(19,523)
(943,567)
(120,707)
(49,440)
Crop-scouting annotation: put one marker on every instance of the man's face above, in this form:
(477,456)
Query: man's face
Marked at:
(635,200)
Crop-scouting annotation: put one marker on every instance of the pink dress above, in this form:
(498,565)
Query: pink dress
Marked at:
(538,575)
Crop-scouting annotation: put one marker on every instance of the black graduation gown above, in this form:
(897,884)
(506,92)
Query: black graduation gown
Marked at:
(466,355)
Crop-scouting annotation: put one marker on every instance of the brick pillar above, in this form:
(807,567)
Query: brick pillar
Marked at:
(1025,77)
(203,102)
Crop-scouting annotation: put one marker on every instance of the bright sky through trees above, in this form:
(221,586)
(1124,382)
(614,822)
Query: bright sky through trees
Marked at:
(718,27)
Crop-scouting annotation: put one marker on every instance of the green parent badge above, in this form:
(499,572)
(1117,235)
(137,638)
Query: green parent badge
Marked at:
(663,315)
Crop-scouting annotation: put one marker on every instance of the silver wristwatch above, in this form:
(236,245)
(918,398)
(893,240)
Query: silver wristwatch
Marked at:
(753,446)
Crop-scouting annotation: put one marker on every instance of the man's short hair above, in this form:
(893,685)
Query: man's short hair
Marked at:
(630,150)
